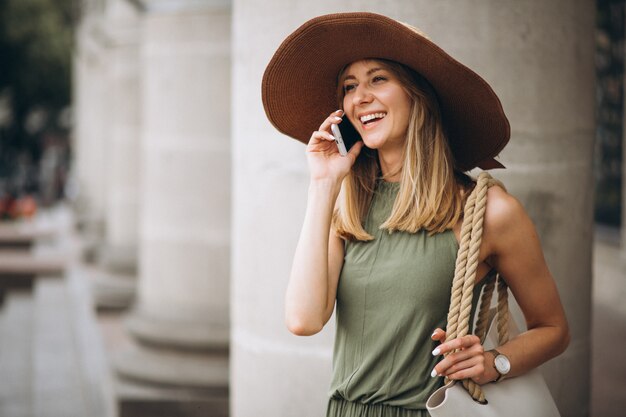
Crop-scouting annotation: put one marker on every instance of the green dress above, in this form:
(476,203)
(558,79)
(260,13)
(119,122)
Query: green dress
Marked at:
(393,292)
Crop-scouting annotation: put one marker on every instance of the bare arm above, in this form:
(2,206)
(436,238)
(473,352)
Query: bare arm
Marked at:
(318,259)
(518,256)
(316,266)
(514,249)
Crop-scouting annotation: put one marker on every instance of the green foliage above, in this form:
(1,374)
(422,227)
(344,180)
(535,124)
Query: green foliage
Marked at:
(36,41)
(37,36)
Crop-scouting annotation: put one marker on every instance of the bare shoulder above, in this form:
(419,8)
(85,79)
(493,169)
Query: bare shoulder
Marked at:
(502,208)
(505,220)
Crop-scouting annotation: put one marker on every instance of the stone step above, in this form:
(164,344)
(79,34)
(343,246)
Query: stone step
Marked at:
(14,262)
(19,269)
(57,388)
(16,338)
(22,235)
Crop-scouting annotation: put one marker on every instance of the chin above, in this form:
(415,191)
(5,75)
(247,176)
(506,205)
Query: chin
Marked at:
(372,145)
(374,142)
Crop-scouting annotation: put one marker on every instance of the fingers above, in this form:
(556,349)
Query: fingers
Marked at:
(333,118)
(467,359)
(455,357)
(438,334)
(321,136)
(455,344)
(471,368)
(355,150)
(324,134)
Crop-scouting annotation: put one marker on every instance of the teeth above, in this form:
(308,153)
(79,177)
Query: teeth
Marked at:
(372,116)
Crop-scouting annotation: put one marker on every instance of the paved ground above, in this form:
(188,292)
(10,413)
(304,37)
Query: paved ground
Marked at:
(608,367)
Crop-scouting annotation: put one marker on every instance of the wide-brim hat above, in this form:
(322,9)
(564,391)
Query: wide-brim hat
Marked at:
(299,86)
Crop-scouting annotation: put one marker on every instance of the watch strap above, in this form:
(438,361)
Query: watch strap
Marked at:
(495,354)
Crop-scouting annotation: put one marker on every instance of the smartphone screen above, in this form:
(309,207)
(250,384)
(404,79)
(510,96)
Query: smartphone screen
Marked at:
(345,136)
(349,133)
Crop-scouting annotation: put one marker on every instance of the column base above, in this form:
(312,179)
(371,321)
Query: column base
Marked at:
(113,291)
(135,399)
(115,281)
(92,231)
(183,334)
(118,259)
(174,368)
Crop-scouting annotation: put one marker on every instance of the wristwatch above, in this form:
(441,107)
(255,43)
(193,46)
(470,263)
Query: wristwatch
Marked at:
(501,363)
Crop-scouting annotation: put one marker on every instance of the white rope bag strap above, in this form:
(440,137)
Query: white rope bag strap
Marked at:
(465,277)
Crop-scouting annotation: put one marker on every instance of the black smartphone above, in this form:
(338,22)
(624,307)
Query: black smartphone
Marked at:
(345,135)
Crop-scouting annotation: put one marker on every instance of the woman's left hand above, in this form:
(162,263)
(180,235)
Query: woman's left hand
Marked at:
(467,362)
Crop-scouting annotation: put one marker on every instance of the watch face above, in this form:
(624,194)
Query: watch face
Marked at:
(502,364)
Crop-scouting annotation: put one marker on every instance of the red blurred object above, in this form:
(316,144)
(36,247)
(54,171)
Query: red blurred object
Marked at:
(27,207)
(12,208)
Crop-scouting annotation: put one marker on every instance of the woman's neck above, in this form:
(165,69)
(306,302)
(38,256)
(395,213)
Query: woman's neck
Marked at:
(390,164)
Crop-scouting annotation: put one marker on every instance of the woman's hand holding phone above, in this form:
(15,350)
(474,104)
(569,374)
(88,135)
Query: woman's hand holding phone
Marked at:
(325,160)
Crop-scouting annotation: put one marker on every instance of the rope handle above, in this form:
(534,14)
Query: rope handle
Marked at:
(465,278)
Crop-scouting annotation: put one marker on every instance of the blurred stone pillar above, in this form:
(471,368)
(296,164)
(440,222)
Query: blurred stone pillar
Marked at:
(538,56)
(181,317)
(118,254)
(90,139)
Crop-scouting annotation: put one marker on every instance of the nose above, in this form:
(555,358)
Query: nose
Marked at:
(361,95)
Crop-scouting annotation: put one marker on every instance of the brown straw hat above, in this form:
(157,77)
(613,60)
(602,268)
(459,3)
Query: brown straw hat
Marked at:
(300,82)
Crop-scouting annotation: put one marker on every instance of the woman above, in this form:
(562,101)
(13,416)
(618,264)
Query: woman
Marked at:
(382,225)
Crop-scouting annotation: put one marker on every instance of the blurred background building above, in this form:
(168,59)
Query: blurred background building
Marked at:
(150,211)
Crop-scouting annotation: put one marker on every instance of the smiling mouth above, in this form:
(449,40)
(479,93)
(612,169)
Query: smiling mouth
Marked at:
(372,118)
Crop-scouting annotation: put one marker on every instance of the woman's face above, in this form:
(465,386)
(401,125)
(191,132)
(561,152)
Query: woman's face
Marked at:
(377,104)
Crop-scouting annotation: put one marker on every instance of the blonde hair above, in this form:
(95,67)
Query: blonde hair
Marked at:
(432,193)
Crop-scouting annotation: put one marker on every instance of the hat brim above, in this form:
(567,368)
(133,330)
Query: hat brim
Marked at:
(299,86)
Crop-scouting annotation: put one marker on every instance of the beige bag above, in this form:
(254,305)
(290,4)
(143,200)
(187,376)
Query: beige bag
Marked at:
(526,395)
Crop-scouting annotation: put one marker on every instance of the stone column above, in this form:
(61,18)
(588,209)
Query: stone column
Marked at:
(90,139)
(537,55)
(270,181)
(118,255)
(182,313)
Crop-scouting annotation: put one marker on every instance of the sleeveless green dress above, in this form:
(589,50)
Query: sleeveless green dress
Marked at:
(393,292)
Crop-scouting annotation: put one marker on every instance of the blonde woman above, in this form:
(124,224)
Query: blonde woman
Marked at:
(382,224)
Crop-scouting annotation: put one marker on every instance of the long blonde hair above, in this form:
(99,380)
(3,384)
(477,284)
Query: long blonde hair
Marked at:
(432,192)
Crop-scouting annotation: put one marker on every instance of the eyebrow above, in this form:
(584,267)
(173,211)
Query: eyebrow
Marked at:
(368,73)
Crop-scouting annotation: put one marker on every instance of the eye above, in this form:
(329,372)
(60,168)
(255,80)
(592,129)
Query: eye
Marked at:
(348,87)
(378,78)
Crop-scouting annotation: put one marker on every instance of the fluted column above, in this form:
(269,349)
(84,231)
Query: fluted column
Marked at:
(181,316)
(122,32)
(537,55)
(89,142)
(114,287)
(270,188)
